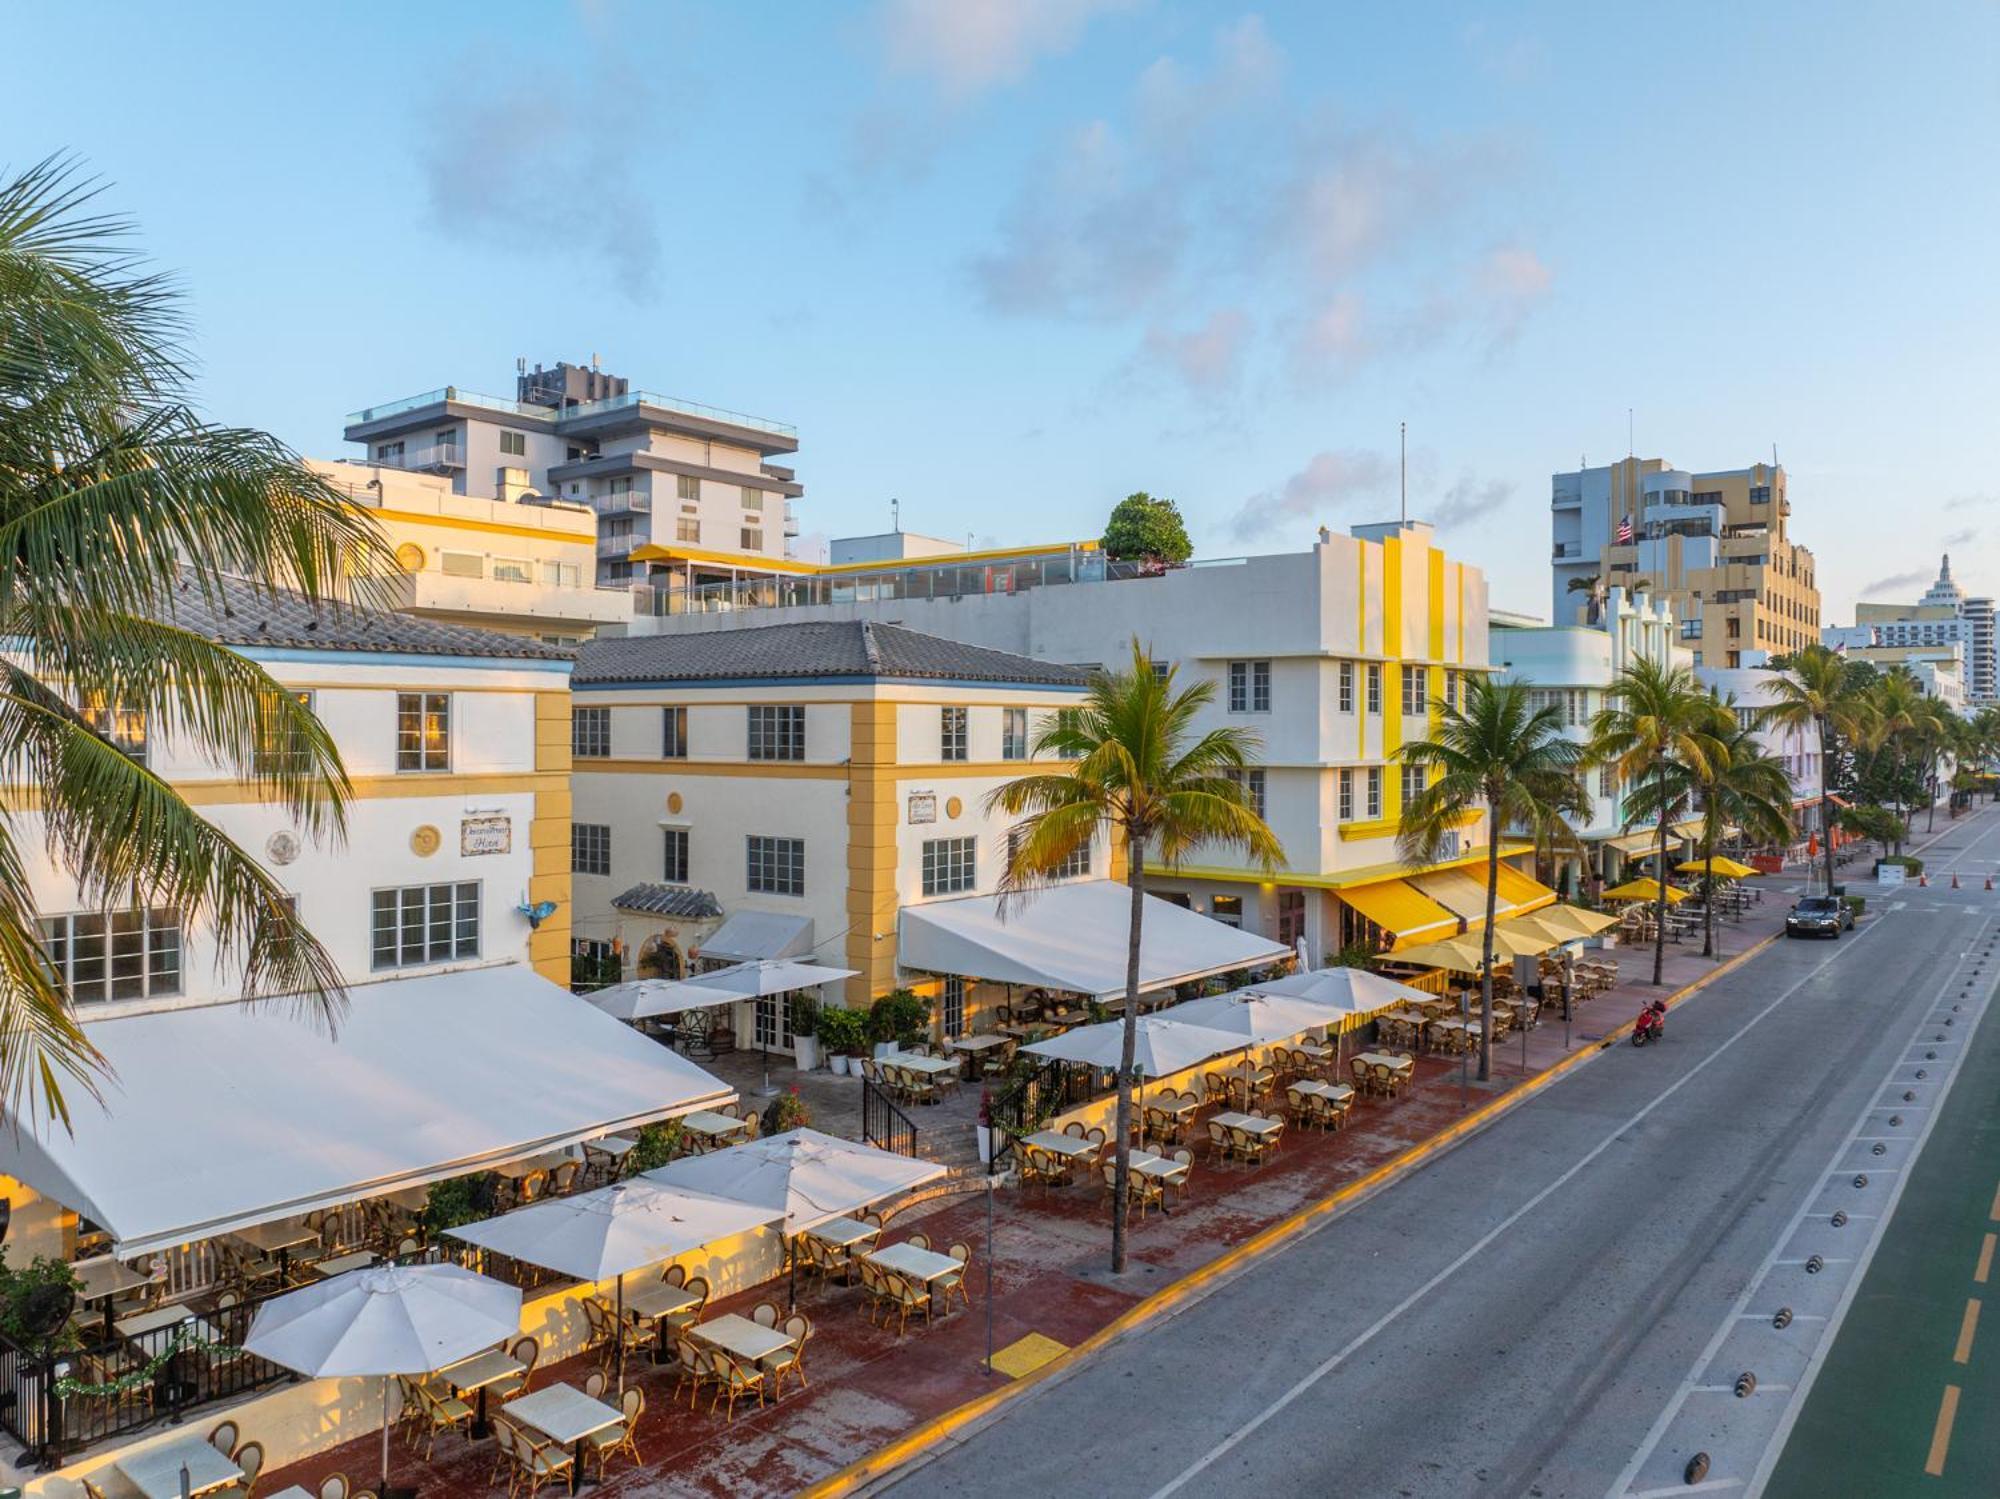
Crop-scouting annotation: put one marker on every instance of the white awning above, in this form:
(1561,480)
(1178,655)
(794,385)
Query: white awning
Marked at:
(749,935)
(226,1116)
(807,1176)
(1073,937)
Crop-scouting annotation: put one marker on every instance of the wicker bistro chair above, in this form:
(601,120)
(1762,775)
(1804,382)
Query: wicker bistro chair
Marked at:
(536,1463)
(602,1446)
(732,1379)
(250,1458)
(787,1363)
(223,1438)
(690,1368)
(333,1486)
(765,1314)
(1143,1190)
(1220,1146)
(525,1352)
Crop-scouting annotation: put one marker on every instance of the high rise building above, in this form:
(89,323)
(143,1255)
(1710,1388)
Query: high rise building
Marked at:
(1712,547)
(688,480)
(1945,638)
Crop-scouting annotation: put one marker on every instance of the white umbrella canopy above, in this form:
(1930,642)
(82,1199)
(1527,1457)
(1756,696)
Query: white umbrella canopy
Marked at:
(1352,991)
(386,1320)
(1255,1016)
(1161,1047)
(594,1236)
(641,999)
(763,976)
(806,1176)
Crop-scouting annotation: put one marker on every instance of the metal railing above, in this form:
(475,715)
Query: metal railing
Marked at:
(1032,1098)
(883,1124)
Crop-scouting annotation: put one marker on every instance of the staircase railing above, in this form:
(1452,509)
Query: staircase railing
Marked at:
(883,1123)
(1031,1099)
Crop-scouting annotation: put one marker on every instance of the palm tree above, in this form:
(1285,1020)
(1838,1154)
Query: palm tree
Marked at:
(1814,692)
(1593,589)
(1897,704)
(1939,732)
(1741,785)
(1141,766)
(115,499)
(1654,731)
(1501,755)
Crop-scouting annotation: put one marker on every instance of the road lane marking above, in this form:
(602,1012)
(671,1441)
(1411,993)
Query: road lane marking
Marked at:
(1941,1433)
(1968,1325)
(1985,1259)
(1995,1213)
(1612,1136)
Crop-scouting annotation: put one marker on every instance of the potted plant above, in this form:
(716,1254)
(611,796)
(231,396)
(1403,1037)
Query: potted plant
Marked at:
(805,1032)
(786,1111)
(899,1018)
(843,1033)
(985,1126)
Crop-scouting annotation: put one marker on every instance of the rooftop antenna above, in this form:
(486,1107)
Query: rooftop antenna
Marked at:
(1631,447)
(1403,475)
(521,365)
(895,514)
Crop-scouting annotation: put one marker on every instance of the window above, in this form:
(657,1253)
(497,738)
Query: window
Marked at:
(1227,909)
(951,1013)
(674,855)
(1291,916)
(1013,733)
(513,444)
(1252,784)
(753,499)
(123,728)
(687,487)
(389,452)
(513,570)
(1347,686)
(952,737)
(423,731)
(1066,718)
(1346,805)
(589,848)
(562,575)
(1249,687)
(1077,865)
(951,865)
(687,530)
(773,1021)
(1413,783)
(778,732)
(1607,780)
(777,865)
(1760,494)
(425,924)
(1413,689)
(462,564)
(1374,791)
(590,733)
(1374,687)
(750,540)
(673,733)
(102,955)
(280,751)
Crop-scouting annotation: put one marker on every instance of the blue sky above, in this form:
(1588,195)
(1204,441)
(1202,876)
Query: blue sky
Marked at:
(1009,261)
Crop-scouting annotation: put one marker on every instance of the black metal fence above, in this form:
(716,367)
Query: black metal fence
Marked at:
(884,1124)
(1031,1099)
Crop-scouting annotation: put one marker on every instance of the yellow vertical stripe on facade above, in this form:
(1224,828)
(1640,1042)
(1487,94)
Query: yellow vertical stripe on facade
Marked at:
(548,828)
(1434,675)
(872,823)
(1392,685)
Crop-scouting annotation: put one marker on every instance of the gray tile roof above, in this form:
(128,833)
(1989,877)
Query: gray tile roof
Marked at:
(668,900)
(819,648)
(244,615)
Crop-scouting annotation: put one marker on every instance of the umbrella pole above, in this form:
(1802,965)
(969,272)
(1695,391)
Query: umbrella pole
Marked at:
(385,1436)
(620,1295)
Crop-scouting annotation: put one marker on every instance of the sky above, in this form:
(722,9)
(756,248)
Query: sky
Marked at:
(1008,260)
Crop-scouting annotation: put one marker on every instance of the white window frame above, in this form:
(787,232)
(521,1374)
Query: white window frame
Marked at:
(459,898)
(418,756)
(949,866)
(590,733)
(1374,792)
(158,934)
(674,732)
(782,735)
(1374,687)
(954,734)
(671,841)
(778,861)
(1346,687)
(1250,687)
(590,848)
(1013,733)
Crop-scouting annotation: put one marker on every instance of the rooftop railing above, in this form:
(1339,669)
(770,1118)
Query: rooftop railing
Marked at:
(521,411)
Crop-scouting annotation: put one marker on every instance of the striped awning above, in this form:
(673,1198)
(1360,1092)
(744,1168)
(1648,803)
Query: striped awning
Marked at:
(1401,910)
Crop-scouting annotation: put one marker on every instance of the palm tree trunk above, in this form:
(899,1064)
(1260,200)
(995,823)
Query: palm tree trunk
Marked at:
(1660,915)
(1825,804)
(1708,897)
(1486,967)
(1121,1186)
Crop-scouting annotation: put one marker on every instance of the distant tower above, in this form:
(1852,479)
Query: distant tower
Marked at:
(1945,593)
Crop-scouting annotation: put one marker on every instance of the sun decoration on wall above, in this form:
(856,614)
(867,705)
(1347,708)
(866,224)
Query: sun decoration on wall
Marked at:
(673,801)
(410,557)
(953,806)
(424,841)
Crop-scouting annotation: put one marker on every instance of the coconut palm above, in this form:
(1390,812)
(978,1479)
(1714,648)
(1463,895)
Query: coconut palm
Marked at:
(1814,692)
(1501,757)
(1140,765)
(1592,587)
(1897,707)
(1740,785)
(116,499)
(1654,730)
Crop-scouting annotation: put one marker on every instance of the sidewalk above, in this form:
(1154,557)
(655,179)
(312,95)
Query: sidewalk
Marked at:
(1048,1281)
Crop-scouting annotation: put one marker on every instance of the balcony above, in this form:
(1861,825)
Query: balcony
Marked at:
(619,546)
(624,502)
(1567,550)
(435,458)
(1561,501)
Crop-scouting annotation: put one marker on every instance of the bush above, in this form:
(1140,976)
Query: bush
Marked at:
(1910,863)
(35,1301)
(1856,904)
(459,1200)
(901,1016)
(787,1111)
(1354,955)
(588,973)
(842,1031)
(657,1144)
(1146,529)
(805,1015)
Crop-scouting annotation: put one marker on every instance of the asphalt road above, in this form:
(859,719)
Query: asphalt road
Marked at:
(1560,1306)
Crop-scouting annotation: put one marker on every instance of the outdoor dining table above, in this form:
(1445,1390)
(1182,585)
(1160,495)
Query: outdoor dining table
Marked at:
(104,1278)
(931,1066)
(564,1414)
(1056,1143)
(473,1376)
(912,1263)
(1160,1167)
(156,1473)
(1332,1092)
(290,1491)
(340,1264)
(547,1161)
(173,1314)
(972,1048)
(279,1237)
(749,1341)
(713,1126)
(655,1301)
(1386,1059)
(1255,1124)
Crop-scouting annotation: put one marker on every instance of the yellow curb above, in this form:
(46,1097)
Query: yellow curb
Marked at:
(914,1443)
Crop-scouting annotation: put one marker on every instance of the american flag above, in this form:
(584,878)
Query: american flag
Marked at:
(1624,530)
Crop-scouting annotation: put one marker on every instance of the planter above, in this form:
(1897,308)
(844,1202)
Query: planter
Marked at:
(985,1133)
(838,1064)
(805,1052)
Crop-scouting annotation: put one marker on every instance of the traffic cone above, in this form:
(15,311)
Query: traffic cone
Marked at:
(1989,882)
(1954,879)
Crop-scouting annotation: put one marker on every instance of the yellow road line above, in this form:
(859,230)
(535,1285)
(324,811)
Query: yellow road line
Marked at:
(1985,1259)
(1967,1326)
(1941,1434)
(1995,1214)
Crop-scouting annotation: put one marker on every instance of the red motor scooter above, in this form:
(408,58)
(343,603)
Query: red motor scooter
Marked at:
(1651,1024)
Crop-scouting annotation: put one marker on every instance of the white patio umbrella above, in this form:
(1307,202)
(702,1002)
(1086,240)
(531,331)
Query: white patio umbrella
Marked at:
(604,1234)
(1353,995)
(1254,1015)
(1161,1047)
(386,1320)
(806,1176)
(642,999)
(755,979)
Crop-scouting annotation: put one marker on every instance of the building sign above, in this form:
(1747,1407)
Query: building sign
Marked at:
(485,835)
(923,807)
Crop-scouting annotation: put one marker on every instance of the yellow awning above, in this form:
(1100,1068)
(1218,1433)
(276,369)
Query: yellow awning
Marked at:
(1720,867)
(1460,955)
(1396,907)
(1640,845)
(1644,890)
(1458,891)
(1575,919)
(1523,892)
(1522,937)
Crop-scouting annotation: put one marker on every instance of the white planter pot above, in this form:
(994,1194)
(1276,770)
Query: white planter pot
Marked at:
(805,1052)
(838,1064)
(985,1133)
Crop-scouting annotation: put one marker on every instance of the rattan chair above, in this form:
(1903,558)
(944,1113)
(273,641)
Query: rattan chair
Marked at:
(787,1363)
(732,1380)
(600,1447)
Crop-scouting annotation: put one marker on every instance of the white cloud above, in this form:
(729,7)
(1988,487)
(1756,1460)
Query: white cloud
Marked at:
(968,47)
(1467,500)
(1328,480)
(1208,358)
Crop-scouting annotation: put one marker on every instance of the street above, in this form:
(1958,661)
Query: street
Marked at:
(1562,1306)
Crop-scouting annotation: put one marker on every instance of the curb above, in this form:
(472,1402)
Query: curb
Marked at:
(932,1434)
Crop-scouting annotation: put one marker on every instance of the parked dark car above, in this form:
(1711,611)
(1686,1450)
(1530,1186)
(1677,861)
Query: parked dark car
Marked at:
(1818,916)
